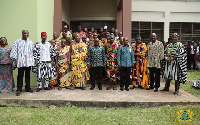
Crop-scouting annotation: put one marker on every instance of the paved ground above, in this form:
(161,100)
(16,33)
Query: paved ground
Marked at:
(136,95)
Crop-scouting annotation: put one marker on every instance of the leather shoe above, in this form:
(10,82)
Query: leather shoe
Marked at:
(29,90)
(121,88)
(127,89)
(17,93)
(38,89)
(47,88)
(156,90)
(164,89)
(176,92)
(92,87)
(100,88)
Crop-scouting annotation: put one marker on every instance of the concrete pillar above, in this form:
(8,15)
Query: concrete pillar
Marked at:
(119,20)
(166,31)
(126,18)
(57,25)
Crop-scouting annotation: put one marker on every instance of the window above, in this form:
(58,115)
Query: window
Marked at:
(186,31)
(89,24)
(144,29)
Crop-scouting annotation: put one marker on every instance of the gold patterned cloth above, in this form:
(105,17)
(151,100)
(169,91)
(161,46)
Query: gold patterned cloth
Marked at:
(64,69)
(80,73)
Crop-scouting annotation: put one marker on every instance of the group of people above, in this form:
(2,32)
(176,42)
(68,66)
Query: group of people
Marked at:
(73,58)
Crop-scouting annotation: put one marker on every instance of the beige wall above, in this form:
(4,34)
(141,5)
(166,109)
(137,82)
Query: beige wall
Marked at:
(165,11)
(66,11)
(93,10)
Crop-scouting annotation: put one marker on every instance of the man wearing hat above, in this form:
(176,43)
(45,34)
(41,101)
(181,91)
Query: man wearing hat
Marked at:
(44,54)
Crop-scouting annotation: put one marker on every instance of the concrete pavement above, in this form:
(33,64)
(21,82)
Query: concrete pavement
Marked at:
(98,98)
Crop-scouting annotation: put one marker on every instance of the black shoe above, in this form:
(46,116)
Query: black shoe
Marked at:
(127,89)
(18,93)
(29,90)
(121,88)
(92,87)
(164,89)
(100,88)
(176,92)
(156,90)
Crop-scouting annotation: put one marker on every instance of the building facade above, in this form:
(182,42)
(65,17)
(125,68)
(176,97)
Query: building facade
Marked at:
(132,17)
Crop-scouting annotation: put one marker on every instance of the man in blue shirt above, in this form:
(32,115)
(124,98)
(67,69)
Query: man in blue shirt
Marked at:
(125,60)
(96,60)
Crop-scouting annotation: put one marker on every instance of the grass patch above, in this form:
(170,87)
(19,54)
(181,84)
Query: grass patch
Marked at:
(91,116)
(189,88)
(192,75)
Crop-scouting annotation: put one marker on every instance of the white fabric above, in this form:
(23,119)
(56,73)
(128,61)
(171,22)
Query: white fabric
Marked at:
(45,51)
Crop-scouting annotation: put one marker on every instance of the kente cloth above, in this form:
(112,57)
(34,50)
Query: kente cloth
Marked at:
(80,73)
(112,67)
(64,70)
(176,69)
(140,75)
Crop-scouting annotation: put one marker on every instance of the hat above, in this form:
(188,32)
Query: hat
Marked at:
(43,34)
(105,27)
(66,26)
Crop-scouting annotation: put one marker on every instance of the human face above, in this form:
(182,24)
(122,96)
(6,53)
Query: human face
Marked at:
(95,35)
(25,34)
(79,28)
(84,39)
(44,38)
(77,38)
(174,38)
(63,43)
(101,30)
(125,41)
(3,41)
(64,35)
(96,42)
(55,36)
(153,37)
(138,40)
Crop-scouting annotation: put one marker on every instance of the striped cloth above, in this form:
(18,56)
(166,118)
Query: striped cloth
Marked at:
(22,51)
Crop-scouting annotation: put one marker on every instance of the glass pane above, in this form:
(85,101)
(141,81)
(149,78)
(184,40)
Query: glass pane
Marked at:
(74,26)
(174,28)
(145,25)
(98,25)
(145,35)
(157,25)
(174,25)
(186,26)
(86,25)
(135,25)
(110,25)
(134,34)
(186,36)
(196,26)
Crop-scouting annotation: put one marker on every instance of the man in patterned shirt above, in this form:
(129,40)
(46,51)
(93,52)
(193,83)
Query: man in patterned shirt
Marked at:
(22,53)
(96,60)
(125,60)
(155,55)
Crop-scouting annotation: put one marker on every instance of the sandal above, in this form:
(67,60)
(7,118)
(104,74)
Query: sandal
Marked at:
(72,88)
(59,88)
(83,88)
(114,88)
(108,88)
(132,87)
(38,89)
